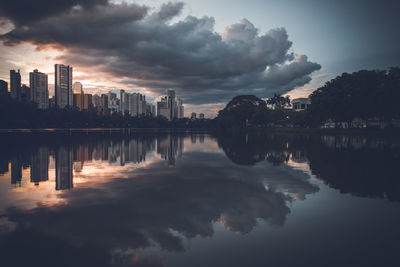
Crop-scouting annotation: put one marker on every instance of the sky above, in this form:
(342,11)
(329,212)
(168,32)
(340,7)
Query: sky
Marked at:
(208,51)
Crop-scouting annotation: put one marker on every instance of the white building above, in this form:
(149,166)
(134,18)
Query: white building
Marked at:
(300,104)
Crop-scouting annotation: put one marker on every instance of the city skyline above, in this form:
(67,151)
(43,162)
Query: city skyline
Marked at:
(70,93)
(318,40)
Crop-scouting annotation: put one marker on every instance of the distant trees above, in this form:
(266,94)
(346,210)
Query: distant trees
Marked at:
(279,101)
(240,112)
(363,94)
(14,114)
(247,111)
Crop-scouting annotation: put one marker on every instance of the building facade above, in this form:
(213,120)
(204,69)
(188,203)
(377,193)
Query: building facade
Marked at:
(63,85)
(170,106)
(113,103)
(77,88)
(300,104)
(39,92)
(3,88)
(15,84)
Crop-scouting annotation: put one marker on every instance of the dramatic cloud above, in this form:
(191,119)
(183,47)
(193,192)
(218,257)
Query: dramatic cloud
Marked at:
(149,50)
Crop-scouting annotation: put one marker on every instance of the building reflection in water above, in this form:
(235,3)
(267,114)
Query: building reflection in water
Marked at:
(64,163)
(170,148)
(71,159)
(16,171)
(40,166)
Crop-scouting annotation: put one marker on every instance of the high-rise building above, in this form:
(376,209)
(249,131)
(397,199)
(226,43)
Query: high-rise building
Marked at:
(77,88)
(63,85)
(163,108)
(3,88)
(179,109)
(83,101)
(96,99)
(25,94)
(15,84)
(201,116)
(104,104)
(113,102)
(39,92)
(171,103)
(193,116)
(137,104)
(150,110)
(170,106)
(124,102)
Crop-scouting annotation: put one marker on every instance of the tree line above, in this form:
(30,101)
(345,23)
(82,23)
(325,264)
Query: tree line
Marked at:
(15,114)
(364,95)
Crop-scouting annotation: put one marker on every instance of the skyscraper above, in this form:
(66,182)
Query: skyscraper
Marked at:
(171,103)
(163,108)
(113,102)
(25,94)
(136,104)
(124,102)
(179,109)
(77,88)
(63,85)
(39,89)
(3,88)
(15,84)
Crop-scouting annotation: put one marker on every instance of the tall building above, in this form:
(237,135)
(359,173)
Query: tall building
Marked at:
(81,100)
(77,88)
(171,104)
(193,116)
(137,104)
(39,92)
(96,99)
(124,102)
(104,104)
(3,88)
(63,85)
(25,94)
(113,102)
(163,108)
(150,110)
(201,116)
(180,109)
(15,84)
(170,107)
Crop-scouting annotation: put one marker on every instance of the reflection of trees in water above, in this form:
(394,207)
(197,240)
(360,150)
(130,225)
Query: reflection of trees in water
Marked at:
(253,148)
(159,206)
(361,165)
(160,202)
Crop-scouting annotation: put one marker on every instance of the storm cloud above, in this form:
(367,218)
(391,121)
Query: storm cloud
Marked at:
(156,50)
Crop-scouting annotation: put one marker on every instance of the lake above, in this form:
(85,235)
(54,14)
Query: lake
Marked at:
(127,198)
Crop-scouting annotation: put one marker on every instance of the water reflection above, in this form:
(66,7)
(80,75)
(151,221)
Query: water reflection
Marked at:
(116,195)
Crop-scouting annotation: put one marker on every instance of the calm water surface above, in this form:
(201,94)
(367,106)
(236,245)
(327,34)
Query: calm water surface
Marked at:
(120,198)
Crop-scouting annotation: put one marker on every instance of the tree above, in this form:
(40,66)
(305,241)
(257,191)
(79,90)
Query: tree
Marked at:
(279,102)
